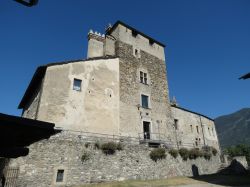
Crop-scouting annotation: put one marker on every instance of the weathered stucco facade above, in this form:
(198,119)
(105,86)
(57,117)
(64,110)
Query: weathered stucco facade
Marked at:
(120,91)
(194,130)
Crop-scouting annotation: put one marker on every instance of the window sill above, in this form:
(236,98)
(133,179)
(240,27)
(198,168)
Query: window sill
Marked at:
(144,84)
(147,108)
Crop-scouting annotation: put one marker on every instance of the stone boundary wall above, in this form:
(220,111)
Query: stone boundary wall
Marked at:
(64,151)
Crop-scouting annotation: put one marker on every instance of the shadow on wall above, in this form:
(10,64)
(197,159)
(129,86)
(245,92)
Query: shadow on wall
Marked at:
(233,175)
(195,170)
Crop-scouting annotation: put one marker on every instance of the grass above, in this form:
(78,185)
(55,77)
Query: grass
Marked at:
(175,181)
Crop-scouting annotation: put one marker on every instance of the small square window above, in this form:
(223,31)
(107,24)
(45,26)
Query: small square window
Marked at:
(144,101)
(134,33)
(77,84)
(151,42)
(59,176)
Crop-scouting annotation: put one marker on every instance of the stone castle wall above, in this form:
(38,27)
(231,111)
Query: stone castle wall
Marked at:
(132,114)
(64,151)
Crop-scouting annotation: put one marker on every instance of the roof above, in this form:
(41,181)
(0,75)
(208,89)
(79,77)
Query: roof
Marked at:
(40,72)
(247,76)
(16,133)
(131,28)
(192,112)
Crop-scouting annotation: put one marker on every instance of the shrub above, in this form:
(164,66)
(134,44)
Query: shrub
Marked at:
(85,156)
(173,152)
(194,153)
(119,146)
(207,155)
(214,151)
(109,148)
(201,153)
(239,150)
(158,154)
(184,153)
(97,145)
(87,144)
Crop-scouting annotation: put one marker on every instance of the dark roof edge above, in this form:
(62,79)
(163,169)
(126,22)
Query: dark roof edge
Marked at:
(192,112)
(80,60)
(34,83)
(132,28)
(27,121)
(246,76)
(40,72)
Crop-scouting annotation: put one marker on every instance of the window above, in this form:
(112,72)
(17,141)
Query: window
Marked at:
(176,124)
(59,176)
(196,141)
(197,129)
(151,42)
(144,101)
(77,84)
(209,131)
(191,127)
(134,33)
(137,53)
(143,77)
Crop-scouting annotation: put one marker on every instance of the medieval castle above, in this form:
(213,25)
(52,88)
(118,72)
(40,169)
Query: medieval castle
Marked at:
(120,91)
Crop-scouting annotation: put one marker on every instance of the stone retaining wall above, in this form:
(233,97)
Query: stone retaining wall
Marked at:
(64,151)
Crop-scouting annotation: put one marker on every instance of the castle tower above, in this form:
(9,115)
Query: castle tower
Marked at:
(95,44)
(144,100)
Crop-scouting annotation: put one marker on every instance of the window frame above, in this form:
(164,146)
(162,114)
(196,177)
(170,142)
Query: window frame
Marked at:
(77,86)
(143,77)
(55,174)
(148,100)
(61,178)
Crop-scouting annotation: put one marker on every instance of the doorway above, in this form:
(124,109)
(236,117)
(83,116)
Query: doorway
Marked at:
(146,130)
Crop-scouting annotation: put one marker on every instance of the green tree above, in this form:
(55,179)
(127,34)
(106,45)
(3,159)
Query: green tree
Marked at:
(239,150)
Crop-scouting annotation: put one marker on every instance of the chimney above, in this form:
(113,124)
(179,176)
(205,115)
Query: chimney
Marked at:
(95,44)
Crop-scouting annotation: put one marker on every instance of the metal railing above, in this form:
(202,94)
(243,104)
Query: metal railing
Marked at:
(156,138)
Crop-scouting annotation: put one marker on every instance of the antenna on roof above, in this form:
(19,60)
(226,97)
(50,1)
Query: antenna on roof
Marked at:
(108,27)
(174,102)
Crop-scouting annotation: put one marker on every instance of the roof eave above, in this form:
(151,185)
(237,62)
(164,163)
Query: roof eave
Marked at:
(37,77)
(132,28)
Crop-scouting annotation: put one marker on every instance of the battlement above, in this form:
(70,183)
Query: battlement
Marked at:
(95,44)
(104,45)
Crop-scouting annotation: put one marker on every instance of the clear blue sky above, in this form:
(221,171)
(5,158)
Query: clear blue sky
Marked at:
(208,45)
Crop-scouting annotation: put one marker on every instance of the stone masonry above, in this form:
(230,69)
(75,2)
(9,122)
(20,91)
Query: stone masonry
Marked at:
(64,151)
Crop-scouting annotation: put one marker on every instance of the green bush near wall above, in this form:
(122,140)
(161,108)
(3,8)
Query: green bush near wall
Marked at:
(184,153)
(158,154)
(173,152)
(109,148)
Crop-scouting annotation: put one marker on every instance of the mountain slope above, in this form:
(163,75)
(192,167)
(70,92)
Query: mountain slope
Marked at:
(234,128)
